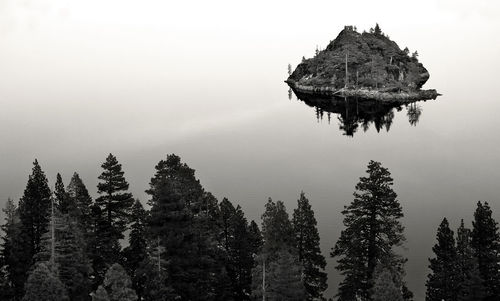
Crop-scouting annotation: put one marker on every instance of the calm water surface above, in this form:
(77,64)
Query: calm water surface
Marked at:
(248,141)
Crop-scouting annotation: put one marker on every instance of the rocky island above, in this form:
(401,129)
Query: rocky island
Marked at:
(366,65)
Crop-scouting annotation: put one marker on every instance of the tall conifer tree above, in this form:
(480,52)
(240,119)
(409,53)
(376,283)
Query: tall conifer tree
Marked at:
(136,252)
(373,228)
(60,196)
(238,250)
(278,273)
(485,242)
(34,215)
(115,202)
(470,285)
(10,230)
(308,247)
(442,282)
(176,212)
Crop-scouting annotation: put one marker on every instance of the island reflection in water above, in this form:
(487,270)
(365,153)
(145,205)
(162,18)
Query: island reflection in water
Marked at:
(354,114)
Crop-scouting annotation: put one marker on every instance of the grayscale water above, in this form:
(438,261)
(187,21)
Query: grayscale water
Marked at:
(225,110)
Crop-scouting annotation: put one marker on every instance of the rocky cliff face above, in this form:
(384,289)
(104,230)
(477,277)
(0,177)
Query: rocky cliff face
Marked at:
(373,61)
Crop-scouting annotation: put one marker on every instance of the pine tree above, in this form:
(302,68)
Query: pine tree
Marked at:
(103,249)
(372,230)
(485,243)
(377,30)
(66,255)
(277,230)
(470,286)
(136,252)
(155,280)
(283,278)
(43,285)
(34,213)
(111,220)
(238,249)
(278,263)
(255,238)
(176,218)
(442,282)
(80,197)
(118,284)
(10,230)
(115,201)
(308,247)
(72,261)
(61,198)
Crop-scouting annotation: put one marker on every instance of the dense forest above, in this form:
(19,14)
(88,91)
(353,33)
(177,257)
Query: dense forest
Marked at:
(184,244)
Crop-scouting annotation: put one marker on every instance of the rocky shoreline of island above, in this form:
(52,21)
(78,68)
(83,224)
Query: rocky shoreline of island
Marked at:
(386,95)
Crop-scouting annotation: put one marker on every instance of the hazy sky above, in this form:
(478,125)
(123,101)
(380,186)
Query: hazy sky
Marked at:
(80,79)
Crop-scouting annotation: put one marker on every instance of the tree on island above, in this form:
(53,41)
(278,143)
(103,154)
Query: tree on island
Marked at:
(373,228)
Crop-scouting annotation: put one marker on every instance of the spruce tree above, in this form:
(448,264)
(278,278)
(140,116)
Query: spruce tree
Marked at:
(373,228)
(485,242)
(308,248)
(442,282)
(43,285)
(136,252)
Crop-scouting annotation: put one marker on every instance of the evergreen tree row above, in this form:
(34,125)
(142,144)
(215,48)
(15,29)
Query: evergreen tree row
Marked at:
(61,244)
(466,267)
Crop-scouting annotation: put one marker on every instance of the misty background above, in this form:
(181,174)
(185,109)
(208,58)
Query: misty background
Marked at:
(204,80)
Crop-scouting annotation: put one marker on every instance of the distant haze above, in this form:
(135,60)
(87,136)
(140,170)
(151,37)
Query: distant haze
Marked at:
(204,80)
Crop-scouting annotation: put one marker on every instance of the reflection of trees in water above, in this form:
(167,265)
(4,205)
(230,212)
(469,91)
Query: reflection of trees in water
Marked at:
(353,114)
(413,111)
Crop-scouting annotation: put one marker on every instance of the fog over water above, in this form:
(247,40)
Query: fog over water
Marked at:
(204,80)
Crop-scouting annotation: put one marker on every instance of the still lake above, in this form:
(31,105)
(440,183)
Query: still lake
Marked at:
(248,144)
